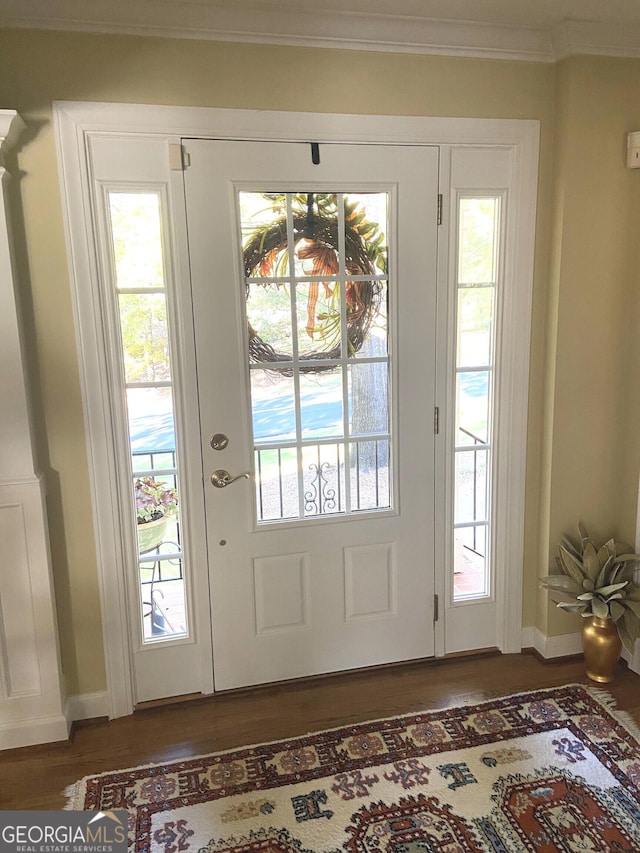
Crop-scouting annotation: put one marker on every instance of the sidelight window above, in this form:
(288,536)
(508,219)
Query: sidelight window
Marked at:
(476,286)
(140,287)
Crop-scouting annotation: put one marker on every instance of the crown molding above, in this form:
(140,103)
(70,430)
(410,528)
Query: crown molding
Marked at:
(590,38)
(278,24)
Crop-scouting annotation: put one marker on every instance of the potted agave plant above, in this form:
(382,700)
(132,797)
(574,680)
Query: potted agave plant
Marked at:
(598,584)
(156,503)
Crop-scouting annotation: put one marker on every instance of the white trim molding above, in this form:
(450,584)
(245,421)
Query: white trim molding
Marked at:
(565,645)
(87,706)
(557,647)
(78,124)
(277,23)
(31,692)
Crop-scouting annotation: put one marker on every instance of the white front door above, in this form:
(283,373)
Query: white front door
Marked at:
(314,293)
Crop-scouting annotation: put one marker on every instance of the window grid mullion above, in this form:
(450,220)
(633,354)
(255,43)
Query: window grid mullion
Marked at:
(344,353)
(293,294)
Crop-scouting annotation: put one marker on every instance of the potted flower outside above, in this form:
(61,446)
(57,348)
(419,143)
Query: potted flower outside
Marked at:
(156,503)
(598,584)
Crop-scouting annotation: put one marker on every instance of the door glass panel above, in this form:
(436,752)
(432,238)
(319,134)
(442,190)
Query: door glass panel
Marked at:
(367,214)
(269,317)
(136,231)
(469,562)
(471,486)
(477,281)
(323,467)
(368,398)
(137,239)
(477,239)
(145,337)
(321,319)
(475,325)
(273,405)
(263,223)
(375,336)
(277,483)
(369,474)
(472,407)
(321,396)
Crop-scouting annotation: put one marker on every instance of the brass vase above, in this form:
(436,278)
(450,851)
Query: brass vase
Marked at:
(601,645)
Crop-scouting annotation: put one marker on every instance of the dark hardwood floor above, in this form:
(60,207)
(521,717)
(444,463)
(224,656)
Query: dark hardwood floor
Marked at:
(35,777)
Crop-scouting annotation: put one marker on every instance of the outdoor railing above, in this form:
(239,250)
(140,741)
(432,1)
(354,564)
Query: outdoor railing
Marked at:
(476,441)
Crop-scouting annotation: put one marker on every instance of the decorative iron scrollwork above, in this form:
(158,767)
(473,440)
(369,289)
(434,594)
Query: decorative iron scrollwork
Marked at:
(320,498)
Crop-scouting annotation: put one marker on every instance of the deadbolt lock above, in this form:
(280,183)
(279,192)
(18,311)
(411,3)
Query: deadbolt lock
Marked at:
(219,441)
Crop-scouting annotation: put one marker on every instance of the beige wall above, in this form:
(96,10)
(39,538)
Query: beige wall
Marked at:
(585,287)
(592,432)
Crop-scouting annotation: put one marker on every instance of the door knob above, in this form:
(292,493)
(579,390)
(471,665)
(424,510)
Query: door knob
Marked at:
(221,478)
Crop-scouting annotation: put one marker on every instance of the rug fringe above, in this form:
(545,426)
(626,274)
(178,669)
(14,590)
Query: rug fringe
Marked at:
(609,702)
(72,795)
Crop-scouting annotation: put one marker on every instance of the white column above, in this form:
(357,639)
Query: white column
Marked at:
(31,694)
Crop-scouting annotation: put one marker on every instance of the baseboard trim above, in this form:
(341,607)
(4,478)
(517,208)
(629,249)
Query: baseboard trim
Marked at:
(87,706)
(564,645)
(527,640)
(32,732)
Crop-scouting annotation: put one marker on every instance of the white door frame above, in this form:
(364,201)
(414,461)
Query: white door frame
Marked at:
(77,123)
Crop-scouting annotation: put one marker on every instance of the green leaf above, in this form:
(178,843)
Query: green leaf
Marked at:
(617,610)
(586,596)
(627,572)
(633,606)
(566,543)
(603,576)
(603,555)
(582,530)
(571,565)
(627,635)
(604,591)
(572,606)
(562,583)
(591,562)
(632,625)
(588,585)
(599,608)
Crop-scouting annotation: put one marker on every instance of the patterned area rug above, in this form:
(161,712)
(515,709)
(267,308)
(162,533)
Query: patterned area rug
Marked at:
(552,770)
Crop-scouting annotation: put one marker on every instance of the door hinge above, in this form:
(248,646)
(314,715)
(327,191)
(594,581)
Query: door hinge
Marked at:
(436,420)
(178,158)
(436,608)
(439,208)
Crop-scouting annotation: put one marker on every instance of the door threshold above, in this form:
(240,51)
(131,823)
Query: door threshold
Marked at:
(169,700)
(307,680)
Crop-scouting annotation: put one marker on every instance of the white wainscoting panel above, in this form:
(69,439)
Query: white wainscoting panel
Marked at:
(281,590)
(31,708)
(20,672)
(370,582)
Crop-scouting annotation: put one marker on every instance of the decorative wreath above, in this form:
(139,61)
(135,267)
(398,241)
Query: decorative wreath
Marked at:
(315,237)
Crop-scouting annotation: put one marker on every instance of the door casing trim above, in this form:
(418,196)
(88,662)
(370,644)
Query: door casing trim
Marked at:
(76,122)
